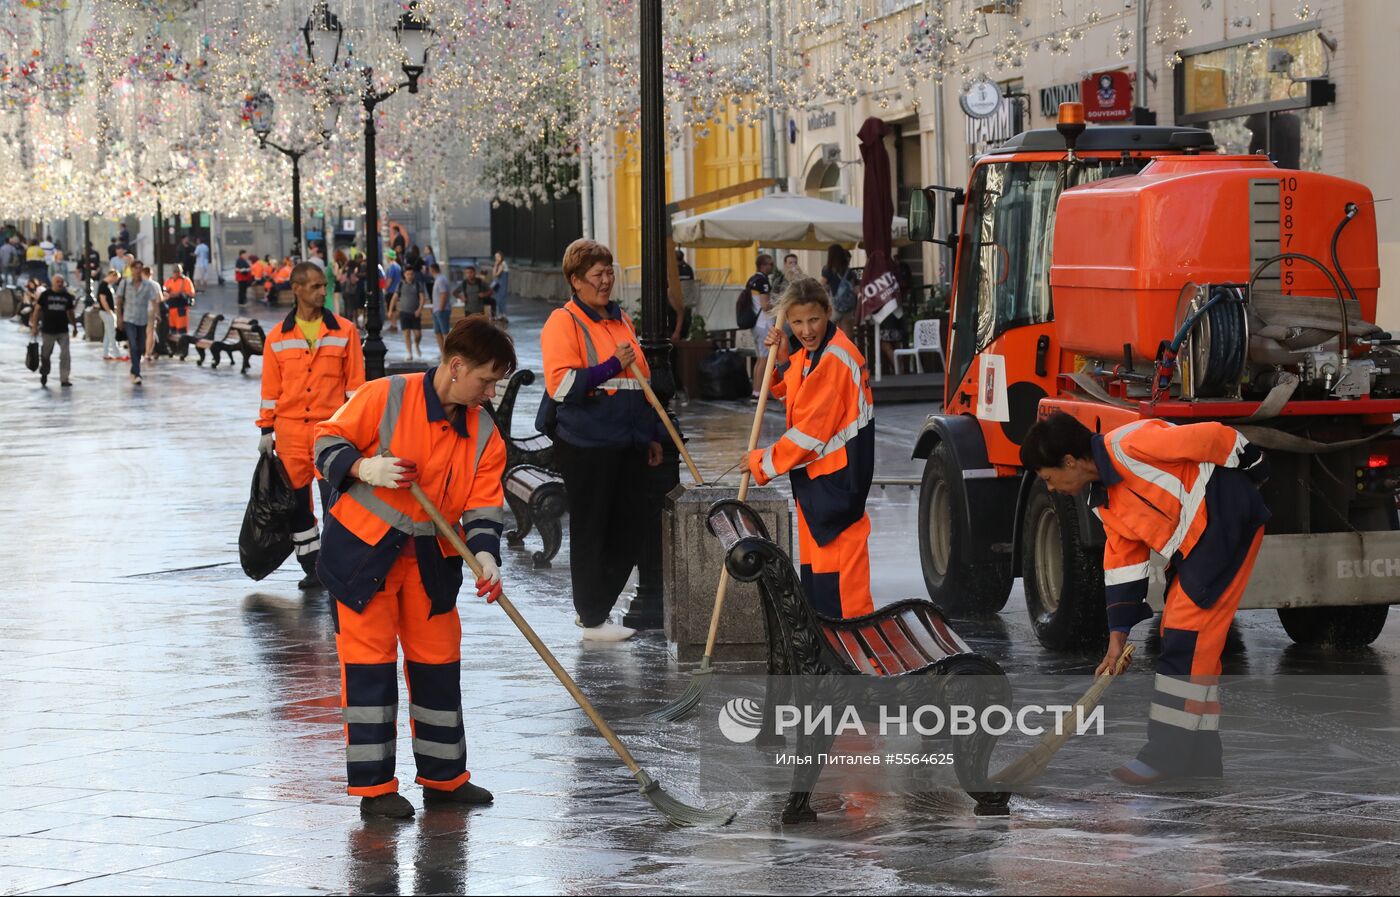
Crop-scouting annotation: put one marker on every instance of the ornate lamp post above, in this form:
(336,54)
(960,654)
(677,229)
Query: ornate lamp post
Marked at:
(323,33)
(259,112)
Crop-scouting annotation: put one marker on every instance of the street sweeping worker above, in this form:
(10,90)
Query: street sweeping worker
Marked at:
(605,434)
(828,450)
(179,296)
(312,363)
(1190,494)
(393,578)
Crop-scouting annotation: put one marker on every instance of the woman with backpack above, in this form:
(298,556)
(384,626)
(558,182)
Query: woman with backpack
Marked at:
(840,283)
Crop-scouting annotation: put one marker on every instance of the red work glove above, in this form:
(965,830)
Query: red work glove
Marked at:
(488,589)
(755,465)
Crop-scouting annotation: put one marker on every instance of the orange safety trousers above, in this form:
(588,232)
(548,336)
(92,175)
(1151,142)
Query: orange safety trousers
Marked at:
(1183,726)
(836,576)
(368,646)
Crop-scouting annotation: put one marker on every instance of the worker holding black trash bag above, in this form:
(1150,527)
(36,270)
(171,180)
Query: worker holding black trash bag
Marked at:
(312,363)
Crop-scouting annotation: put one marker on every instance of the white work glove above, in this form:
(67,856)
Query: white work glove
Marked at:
(489,570)
(388,472)
(265,445)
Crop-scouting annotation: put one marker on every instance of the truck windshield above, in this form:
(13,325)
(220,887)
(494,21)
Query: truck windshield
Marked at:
(1003,277)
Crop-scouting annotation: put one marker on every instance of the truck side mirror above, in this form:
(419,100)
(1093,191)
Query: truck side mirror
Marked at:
(921,217)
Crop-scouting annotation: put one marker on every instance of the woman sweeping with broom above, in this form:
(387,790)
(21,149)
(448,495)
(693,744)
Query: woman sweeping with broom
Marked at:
(828,450)
(393,578)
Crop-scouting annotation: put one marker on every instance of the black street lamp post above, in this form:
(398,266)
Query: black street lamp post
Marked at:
(323,45)
(646,609)
(260,117)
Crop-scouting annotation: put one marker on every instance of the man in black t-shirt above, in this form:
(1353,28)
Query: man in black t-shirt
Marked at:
(53,316)
(761,292)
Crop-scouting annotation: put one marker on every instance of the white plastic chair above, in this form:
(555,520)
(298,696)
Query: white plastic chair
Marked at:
(927,338)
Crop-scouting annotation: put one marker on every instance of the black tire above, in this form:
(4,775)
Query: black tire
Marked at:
(1346,628)
(960,587)
(1336,627)
(1062,574)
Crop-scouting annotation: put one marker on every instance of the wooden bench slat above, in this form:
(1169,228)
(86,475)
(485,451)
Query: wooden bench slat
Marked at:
(909,654)
(882,655)
(856,652)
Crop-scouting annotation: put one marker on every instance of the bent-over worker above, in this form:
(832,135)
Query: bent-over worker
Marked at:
(1190,494)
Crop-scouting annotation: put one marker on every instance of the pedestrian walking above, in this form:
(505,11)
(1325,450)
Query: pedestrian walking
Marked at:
(54,314)
(840,283)
(201,263)
(1189,494)
(828,450)
(605,434)
(34,264)
(760,292)
(107,308)
(313,362)
(186,257)
(442,307)
(393,580)
(500,284)
(119,261)
(134,303)
(476,293)
(11,258)
(407,304)
(243,276)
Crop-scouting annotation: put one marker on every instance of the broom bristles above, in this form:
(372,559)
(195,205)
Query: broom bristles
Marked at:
(1037,759)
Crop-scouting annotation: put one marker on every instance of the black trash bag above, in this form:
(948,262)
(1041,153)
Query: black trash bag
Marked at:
(265,540)
(724,375)
(31,356)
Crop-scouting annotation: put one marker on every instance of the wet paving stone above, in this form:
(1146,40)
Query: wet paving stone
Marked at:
(174,727)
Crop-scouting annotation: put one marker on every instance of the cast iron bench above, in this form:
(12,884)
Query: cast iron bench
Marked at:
(535,450)
(244,335)
(841,659)
(537,498)
(201,338)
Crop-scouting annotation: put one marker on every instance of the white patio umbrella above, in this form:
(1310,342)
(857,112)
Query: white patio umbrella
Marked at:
(780,221)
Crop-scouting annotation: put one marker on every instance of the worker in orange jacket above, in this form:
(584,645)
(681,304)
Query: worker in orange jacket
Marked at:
(1189,494)
(393,578)
(312,363)
(605,435)
(179,297)
(828,450)
(262,275)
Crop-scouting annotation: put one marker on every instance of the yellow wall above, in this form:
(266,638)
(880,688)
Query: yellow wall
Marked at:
(721,159)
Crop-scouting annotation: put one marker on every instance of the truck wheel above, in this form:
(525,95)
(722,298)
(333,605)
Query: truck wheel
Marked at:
(955,584)
(1343,627)
(1061,573)
(1338,627)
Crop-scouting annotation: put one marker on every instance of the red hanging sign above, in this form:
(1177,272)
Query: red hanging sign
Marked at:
(1107,96)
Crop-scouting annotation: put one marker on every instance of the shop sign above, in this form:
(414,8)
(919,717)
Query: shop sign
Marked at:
(1107,96)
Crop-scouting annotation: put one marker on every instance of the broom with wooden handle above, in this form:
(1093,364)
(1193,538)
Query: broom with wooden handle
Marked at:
(700,681)
(1029,767)
(666,420)
(674,810)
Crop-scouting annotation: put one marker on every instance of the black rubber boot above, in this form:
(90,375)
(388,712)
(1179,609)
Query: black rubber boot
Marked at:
(308,564)
(466,793)
(387,806)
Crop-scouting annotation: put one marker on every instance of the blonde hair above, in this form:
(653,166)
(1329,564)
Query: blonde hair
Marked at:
(805,291)
(581,255)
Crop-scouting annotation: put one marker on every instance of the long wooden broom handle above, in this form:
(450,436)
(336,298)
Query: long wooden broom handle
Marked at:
(666,420)
(546,655)
(769,366)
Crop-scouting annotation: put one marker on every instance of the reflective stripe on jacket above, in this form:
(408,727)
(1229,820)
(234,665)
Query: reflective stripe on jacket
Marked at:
(829,445)
(303,386)
(1176,491)
(460,465)
(596,404)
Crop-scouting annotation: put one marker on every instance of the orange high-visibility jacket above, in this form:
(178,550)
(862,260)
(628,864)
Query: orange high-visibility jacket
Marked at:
(178,284)
(597,404)
(283,275)
(302,387)
(1176,491)
(460,465)
(829,445)
(261,270)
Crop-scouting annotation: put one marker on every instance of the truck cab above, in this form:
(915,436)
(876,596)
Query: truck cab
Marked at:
(1152,223)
